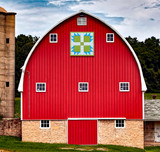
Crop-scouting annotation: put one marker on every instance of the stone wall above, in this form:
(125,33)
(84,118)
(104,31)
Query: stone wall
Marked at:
(10,127)
(57,133)
(132,135)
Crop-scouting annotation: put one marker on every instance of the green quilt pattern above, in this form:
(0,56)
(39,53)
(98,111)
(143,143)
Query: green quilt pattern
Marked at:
(82,44)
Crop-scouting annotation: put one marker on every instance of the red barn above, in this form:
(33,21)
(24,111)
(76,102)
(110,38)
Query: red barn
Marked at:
(82,83)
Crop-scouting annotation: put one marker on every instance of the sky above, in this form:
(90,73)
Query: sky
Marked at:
(135,18)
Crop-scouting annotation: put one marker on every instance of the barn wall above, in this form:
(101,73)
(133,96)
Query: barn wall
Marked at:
(112,63)
(32,132)
(132,135)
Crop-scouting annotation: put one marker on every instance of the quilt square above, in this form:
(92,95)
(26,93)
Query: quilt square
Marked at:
(82,44)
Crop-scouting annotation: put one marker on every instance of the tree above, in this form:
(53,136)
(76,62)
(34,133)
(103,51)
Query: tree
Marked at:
(23,46)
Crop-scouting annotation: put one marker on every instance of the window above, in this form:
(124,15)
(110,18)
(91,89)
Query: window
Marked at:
(40,87)
(81,21)
(45,124)
(83,87)
(7,84)
(7,40)
(53,38)
(124,86)
(119,124)
(109,37)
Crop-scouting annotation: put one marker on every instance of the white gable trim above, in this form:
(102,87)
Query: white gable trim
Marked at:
(143,84)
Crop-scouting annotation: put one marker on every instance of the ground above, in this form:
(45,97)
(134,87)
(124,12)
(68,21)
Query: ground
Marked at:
(15,144)
(10,144)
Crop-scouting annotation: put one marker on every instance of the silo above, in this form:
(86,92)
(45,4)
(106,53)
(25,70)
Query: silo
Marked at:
(7,63)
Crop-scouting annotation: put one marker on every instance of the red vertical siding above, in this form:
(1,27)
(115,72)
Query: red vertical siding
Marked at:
(82,132)
(112,63)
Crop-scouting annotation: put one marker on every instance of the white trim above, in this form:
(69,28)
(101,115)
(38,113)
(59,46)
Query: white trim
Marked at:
(21,105)
(143,104)
(119,127)
(83,90)
(96,118)
(107,36)
(143,84)
(45,127)
(50,38)
(40,83)
(124,90)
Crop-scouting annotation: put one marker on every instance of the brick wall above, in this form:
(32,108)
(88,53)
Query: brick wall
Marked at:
(57,133)
(132,135)
(10,127)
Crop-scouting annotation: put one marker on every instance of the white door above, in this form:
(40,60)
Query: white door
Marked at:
(157,131)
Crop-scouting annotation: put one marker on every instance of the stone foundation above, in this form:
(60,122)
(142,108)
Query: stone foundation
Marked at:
(132,135)
(10,127)
(57,133)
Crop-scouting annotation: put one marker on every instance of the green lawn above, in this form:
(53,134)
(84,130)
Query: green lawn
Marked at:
(149,95)
(16,145)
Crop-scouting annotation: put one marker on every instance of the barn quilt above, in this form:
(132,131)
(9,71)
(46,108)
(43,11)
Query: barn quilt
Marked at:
(82,44)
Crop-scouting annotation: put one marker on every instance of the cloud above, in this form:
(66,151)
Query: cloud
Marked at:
(137,18)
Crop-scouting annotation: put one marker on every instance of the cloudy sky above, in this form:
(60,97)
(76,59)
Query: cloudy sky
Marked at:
(137,18)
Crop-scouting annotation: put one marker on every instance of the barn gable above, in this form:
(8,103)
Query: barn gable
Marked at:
(143,84)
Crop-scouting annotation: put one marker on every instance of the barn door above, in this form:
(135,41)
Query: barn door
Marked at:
(82,132)
(157,131)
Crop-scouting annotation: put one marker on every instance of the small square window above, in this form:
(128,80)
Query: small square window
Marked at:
(53,38)
(44,124)
(110,37)
(7,40)
(83,87)
(124,86)
(119,124)
(81,21)
(40,87)
(7,84)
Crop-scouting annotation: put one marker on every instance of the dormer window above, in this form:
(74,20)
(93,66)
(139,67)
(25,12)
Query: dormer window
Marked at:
(81,21)
(53,38)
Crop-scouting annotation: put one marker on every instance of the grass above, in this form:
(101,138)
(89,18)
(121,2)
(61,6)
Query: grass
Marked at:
(149,95)
(15,144)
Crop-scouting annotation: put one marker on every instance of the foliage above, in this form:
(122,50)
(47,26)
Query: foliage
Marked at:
(16,145)
(148,53)
(23,46)
(17,108)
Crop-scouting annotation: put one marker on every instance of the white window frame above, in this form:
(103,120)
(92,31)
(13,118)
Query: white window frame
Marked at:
(81,21)
(50,38)
(40,83)
(83,90)
(45,127)
(107,37)
(124,90)
(118,120)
